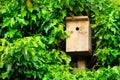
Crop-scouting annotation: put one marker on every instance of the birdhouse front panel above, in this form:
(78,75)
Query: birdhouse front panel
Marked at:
(80,36)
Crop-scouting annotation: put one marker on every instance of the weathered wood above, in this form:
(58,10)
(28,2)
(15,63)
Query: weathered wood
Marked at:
(76,18)
(79,40)
(81,63)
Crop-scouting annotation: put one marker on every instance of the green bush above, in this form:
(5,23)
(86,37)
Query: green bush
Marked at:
(27,58)
(32,36)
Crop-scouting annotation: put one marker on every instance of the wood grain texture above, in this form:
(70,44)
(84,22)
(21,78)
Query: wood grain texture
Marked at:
(81,63)
(80,34)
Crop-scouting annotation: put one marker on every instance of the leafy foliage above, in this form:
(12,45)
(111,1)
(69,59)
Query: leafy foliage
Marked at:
(29,56)
(101,74)
(107,34)
(32,34)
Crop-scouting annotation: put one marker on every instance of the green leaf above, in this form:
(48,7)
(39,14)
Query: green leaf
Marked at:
(11,33)
(22,21)
(33,17)
(5,75)
(63,13)
(51,40)
(9,67)
(1,48)
(31,9)
(35,44)
(23,13)
(12,22)
(1,64)
(6,22)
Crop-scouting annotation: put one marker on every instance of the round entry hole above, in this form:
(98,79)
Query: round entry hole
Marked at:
(77,28)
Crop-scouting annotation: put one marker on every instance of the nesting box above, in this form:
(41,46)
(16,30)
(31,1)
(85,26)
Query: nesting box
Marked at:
(79,41)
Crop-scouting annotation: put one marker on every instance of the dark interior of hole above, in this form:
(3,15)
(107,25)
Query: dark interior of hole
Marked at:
(77,28)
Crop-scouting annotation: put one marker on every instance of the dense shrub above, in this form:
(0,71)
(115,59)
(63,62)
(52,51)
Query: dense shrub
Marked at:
(32,36)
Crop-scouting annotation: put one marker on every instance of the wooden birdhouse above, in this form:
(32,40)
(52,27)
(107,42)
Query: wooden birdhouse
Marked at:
(79,41)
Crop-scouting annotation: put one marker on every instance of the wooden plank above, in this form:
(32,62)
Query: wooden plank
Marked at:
(80,18)
(81,63)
